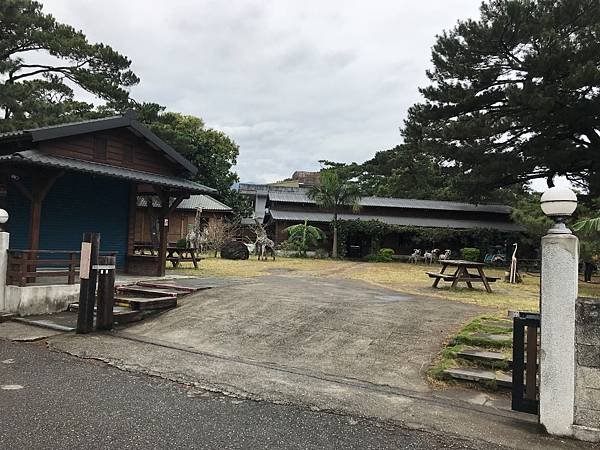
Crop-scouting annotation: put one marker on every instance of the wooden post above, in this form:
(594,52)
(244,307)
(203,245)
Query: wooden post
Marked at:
(87,290)
(106,293)
(72,262)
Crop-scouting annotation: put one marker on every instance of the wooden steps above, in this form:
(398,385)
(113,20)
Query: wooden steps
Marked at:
(172,287)
(145,303)
(146,291)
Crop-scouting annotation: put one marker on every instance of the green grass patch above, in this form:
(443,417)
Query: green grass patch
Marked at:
(473,335)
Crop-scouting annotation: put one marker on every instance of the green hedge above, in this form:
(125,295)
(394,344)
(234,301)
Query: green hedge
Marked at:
(423,238)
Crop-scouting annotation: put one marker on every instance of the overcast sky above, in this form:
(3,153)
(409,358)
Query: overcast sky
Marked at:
(291,81)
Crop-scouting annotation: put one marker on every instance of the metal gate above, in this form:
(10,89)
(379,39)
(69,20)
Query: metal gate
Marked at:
(525,362)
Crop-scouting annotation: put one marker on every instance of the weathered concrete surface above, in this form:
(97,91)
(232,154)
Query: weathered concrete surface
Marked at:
(20,332)
(338,327)
(60,402)
(31,300)
(323,344)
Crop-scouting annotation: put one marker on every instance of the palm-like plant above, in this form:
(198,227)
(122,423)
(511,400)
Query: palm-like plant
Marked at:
(588,226)
(303,236)
(333,193)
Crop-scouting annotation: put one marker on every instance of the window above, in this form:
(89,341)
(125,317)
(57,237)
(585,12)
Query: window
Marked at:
(99,147)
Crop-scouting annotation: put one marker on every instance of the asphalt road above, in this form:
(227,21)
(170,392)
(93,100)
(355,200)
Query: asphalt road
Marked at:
(52,400)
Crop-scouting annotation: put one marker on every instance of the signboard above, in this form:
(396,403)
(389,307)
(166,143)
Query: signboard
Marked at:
(166,222)
(84,262)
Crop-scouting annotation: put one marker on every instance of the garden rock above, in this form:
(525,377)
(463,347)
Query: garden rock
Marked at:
(234,250)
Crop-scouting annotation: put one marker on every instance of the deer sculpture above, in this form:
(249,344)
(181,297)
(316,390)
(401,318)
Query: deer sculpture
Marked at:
(432,256)
(445,256)
(263,244)
(416,256)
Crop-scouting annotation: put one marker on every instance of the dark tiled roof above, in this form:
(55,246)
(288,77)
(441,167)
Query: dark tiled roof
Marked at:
(389,202)
(36,157)
(127,120)
(300,216)
(206,202)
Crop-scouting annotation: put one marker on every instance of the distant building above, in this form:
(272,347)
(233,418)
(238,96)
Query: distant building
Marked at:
(181,219)
(290,207)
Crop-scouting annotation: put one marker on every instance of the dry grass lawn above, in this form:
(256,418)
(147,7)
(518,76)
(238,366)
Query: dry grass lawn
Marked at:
(407,278)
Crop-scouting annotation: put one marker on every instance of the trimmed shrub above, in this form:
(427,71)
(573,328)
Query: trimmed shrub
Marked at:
(470,254)
(383,255)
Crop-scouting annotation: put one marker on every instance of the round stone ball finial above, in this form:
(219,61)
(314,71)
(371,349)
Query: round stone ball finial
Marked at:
(559,203)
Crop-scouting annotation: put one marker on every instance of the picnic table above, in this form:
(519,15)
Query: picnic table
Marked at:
(462,274)
(177,255)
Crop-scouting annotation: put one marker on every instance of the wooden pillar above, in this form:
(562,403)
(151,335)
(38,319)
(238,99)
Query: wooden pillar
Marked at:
(41,184)
(166,208)
(131,222)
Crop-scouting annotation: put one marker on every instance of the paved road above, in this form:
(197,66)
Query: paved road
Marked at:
(52,400)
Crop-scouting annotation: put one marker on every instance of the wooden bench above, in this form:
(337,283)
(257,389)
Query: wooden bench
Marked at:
(450,277)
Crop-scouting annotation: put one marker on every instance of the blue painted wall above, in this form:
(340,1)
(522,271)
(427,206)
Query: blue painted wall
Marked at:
(76,203)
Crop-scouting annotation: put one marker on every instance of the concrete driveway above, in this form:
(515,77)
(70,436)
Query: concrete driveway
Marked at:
(335,327)
(320,343)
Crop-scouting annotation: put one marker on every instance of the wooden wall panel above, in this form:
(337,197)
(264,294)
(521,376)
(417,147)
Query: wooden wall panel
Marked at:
(123,149)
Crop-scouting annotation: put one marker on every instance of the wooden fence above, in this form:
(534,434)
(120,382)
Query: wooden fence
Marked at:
(28,266)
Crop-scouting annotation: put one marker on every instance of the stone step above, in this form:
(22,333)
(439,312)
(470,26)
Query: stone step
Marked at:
(145,303)
(483,356)
(147,292)
(506,324)
(502,379)
(495,337)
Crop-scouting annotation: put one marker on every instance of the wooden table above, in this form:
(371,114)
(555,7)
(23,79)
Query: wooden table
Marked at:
(462,274)
(177,255)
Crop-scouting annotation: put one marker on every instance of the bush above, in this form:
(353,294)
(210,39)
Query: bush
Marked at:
(383,255)
(470,254)
(181,243)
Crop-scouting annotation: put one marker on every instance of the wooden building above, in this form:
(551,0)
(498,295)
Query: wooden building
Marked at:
(180,220)
(292,206)
(61,181)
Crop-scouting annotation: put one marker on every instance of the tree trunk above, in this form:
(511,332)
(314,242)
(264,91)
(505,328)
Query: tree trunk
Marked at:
(334,250)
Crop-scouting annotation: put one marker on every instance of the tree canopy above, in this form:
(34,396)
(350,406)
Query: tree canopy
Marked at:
(514,96)
(42,61)
(212,151)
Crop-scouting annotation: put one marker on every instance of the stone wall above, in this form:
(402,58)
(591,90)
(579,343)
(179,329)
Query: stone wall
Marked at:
(587,380)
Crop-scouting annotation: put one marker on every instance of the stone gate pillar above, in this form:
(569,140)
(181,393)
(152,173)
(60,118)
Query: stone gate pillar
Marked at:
(559,287)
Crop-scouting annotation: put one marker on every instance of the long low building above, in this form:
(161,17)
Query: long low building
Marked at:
(285,208)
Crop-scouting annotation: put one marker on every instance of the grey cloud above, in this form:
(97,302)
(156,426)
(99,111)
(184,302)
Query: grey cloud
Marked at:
(291,81)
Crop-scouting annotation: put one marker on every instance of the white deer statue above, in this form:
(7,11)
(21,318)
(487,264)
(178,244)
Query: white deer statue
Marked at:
(445,256)
(416,256)
(432,256)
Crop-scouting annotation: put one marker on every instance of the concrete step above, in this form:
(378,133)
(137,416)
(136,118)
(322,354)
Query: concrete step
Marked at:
(502,379)
(145,303)
(495,337)
(147,292)
(506,324)
(483,356)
